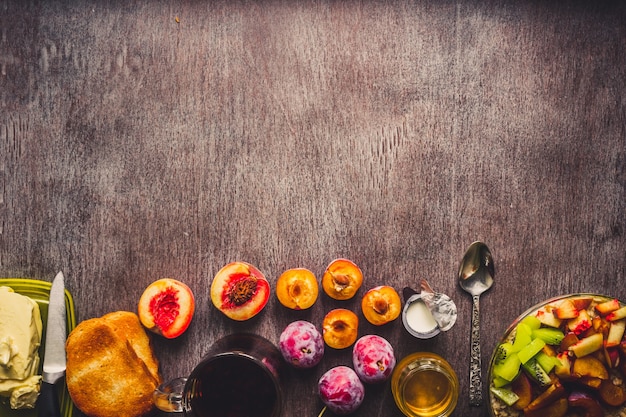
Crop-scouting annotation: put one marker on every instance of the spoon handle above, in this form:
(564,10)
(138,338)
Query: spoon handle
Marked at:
(475,382)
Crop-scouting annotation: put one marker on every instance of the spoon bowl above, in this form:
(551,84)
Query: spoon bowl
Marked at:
(476,274)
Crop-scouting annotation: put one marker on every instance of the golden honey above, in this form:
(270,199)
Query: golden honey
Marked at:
(424,385)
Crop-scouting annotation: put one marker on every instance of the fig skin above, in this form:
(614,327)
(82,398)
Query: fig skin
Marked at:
(240,291)
(166,307)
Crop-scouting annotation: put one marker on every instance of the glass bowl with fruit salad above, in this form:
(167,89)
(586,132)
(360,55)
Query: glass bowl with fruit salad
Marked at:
(563,357)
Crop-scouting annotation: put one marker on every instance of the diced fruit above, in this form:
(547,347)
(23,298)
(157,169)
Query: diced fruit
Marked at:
(166,307)
(301,344)
(611,394)
(565,310)
(556,409)
(297,288)
(342,279)
(240,291)
(581,303)
(546,361)
(503,351)
(373,359)
(508,369)
(616,333)
(340,328)
(611,356)
(523,336)
(589,366)
(563,369)
(590,381)
(548,319)
(583,400)
(536,373)
(580,324)
(607,306)
(521,386)
(587,345)
(530,350)
(499,382)
(569,340)
(508,396)
(381,305)
(617,314)
(531,321)
(341,390)
(551,394)
(549,335)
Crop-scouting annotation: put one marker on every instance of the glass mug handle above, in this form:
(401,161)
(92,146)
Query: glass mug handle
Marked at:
(168,397)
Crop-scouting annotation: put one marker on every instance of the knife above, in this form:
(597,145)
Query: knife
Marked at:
(54,354)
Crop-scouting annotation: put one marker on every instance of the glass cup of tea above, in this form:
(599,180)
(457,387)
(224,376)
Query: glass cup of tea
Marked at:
(424,384)
(239,377)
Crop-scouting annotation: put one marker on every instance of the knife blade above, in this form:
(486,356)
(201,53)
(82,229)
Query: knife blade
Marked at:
(54,354)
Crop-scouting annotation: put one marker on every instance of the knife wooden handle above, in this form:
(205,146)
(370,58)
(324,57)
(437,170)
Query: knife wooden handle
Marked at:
(48,401)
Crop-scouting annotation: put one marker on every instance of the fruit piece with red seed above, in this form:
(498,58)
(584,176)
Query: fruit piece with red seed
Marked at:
(166,307)
(607,306)
(565,310)
(240,291)
(579,324)
(301,344)
(618,314)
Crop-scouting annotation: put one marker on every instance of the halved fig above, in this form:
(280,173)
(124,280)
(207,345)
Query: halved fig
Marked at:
(166,307)
(240,291)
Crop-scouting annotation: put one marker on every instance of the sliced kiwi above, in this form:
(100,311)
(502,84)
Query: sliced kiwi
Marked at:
(536,372)
(506,395)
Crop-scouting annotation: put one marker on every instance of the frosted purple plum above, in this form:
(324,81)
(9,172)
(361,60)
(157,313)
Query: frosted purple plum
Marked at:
(373,359)
(341,390)
(301,344)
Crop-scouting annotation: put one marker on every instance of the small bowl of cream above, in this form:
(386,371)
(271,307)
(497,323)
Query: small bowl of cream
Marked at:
(417,318)
(427,313)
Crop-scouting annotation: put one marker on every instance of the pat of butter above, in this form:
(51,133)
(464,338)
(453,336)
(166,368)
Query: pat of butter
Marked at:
(20,338)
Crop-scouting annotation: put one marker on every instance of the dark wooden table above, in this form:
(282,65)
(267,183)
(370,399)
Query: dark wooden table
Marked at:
(150,139)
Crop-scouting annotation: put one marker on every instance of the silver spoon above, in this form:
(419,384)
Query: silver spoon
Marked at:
(476,276)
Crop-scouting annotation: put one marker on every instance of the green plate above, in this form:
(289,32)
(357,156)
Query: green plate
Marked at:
(40,292)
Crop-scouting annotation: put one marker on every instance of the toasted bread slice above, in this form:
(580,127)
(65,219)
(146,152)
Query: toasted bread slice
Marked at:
(127,325)
(105,376)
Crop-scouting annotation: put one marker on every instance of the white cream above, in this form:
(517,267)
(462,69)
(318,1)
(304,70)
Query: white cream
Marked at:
(419,317)
(20,338)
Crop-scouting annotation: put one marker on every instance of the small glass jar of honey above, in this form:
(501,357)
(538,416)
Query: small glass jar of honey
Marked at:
(425,385)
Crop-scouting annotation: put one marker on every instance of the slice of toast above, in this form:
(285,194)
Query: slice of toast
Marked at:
(127,325)
(105,376)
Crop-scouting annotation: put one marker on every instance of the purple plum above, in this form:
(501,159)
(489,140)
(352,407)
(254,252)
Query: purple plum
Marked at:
(301,344)
(373,359)
(341,390)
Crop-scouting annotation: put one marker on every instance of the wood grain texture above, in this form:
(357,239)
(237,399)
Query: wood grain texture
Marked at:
(156,138)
